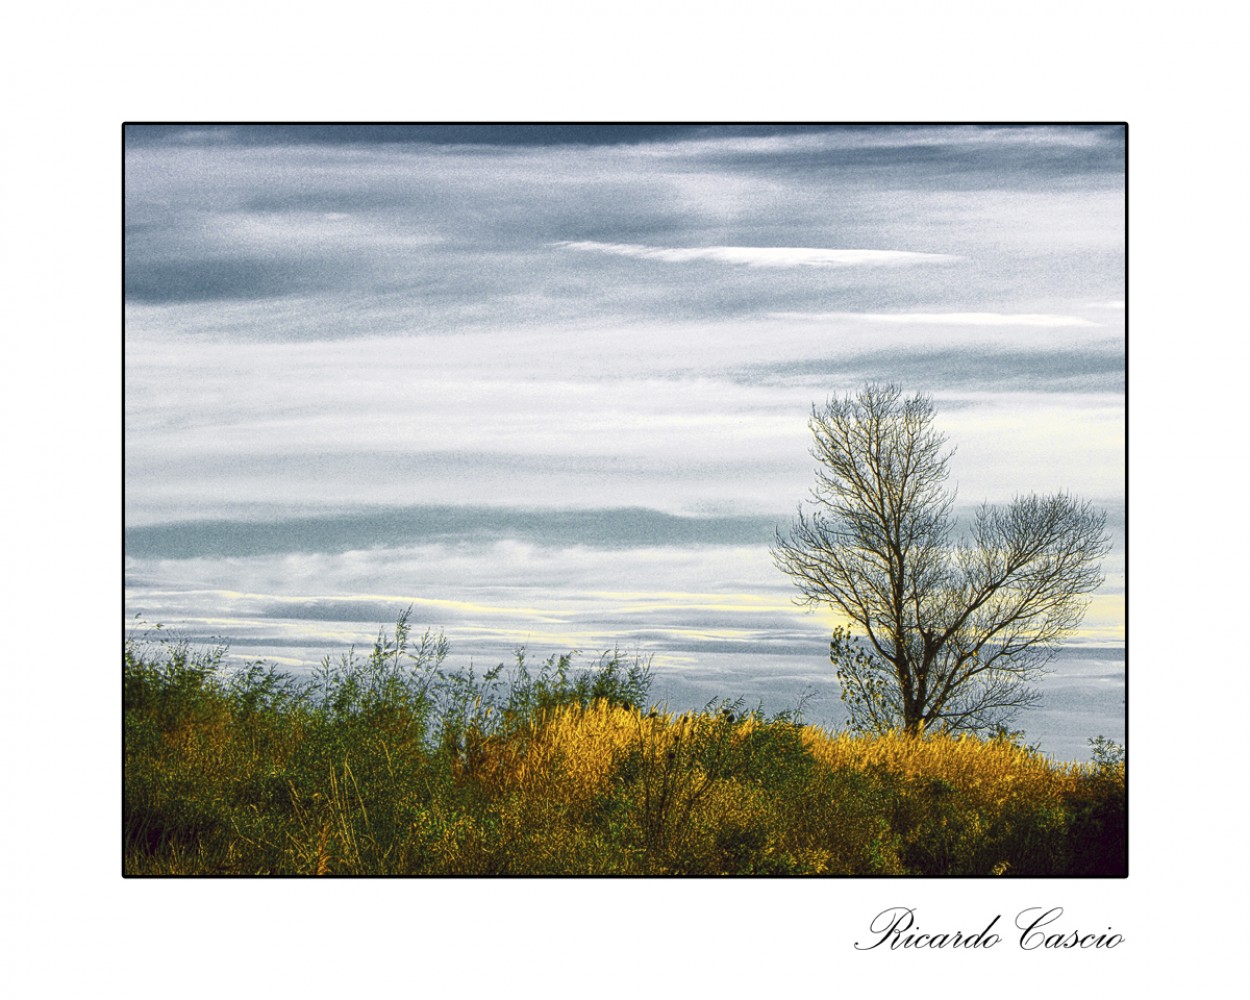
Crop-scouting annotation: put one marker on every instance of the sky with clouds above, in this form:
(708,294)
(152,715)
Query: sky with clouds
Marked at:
(549,384)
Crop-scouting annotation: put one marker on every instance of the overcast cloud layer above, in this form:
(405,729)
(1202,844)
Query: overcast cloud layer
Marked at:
(550,384)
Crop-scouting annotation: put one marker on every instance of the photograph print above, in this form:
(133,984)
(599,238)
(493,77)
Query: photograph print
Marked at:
(625,500)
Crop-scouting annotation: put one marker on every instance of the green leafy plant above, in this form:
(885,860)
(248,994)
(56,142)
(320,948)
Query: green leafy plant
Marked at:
(391,763)
(1107,753)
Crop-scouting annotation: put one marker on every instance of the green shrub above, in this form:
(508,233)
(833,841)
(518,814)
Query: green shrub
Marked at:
(390,763)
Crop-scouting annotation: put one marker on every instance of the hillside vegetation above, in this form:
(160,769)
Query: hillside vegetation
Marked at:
(391,764)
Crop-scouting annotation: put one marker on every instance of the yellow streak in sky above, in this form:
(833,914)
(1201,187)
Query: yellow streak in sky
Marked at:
(1104,621)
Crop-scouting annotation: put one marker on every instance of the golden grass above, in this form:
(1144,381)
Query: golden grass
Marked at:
(605,789)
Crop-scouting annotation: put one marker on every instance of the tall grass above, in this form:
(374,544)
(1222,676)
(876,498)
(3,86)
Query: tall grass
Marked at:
(391,763)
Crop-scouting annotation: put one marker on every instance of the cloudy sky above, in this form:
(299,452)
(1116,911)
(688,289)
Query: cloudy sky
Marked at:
(549,384)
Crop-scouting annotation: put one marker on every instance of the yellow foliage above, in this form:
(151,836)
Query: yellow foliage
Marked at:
(990,772)
(570,753)
(573,754)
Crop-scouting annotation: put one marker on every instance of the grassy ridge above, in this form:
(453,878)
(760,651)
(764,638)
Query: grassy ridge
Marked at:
(391,764)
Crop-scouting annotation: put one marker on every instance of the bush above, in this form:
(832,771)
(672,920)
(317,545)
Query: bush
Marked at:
(392,764)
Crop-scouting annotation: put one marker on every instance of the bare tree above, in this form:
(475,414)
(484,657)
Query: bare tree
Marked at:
(943,631)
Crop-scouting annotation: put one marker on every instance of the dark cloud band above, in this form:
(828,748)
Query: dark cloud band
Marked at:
(629,527)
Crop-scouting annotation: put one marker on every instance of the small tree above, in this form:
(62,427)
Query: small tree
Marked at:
(942,632)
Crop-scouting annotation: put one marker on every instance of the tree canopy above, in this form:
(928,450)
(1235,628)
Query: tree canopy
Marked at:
(944,629)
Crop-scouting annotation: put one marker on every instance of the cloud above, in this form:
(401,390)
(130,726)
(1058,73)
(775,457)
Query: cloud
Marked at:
(330,240)
(208,279)
(992,368)
(509,135)
(764,256)
(612,528)
(948,318)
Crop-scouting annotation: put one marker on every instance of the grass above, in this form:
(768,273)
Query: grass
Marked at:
(392,764)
